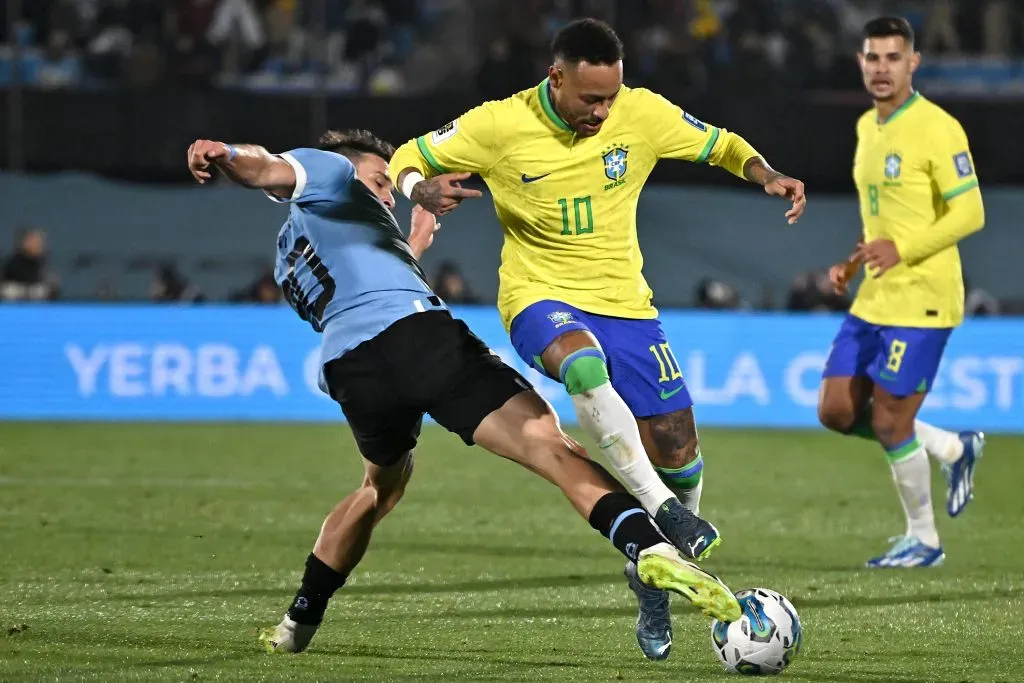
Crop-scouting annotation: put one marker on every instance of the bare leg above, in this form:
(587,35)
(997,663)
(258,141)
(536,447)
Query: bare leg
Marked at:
(345,533)
(343,540)
(525,431)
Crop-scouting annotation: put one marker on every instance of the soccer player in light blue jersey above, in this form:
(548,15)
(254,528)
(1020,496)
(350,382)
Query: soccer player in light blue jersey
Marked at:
(391,352)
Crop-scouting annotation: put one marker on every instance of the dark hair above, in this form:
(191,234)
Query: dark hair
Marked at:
(587,40)
(883,27)
(353,142)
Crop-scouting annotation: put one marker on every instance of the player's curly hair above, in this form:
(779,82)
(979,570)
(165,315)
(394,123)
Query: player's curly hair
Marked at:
(883,27)
(587,40)
(353,142)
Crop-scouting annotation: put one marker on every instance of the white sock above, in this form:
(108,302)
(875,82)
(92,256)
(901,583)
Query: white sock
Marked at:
(944,446)
(913,476)
(605,417)
(690,498)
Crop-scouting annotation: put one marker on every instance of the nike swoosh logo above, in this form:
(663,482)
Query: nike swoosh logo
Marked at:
(886,375)
(529,179)
(665,395)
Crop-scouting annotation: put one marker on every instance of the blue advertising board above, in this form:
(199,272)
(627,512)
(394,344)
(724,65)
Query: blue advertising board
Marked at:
(260,363)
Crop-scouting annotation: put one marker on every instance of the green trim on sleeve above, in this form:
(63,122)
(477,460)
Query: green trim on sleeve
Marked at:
(421,144)
(706,152)
(957,191)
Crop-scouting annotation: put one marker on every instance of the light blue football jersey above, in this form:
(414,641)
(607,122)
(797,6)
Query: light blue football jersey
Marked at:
(342,261)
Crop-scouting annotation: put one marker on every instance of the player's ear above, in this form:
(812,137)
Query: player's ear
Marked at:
(915,61)
(554,76)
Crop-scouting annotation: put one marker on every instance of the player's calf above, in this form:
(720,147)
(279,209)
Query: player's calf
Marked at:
(343,540)
(672,445)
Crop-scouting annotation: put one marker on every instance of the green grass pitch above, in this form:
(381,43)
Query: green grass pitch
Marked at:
(155,552)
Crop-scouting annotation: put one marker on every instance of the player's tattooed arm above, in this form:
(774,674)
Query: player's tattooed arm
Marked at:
(757,170)
(251,166)
(441,194)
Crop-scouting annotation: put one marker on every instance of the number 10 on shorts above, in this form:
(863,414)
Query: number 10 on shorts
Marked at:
(666,362)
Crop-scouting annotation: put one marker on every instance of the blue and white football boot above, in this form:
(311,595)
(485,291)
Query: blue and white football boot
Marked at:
(654,622)
(960,474)
(908,552)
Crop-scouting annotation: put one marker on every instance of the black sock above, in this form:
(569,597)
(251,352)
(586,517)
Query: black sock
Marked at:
(318,585)
(621,519)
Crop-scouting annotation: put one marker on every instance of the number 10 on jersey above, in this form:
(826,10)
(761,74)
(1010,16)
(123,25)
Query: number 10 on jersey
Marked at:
(584,219)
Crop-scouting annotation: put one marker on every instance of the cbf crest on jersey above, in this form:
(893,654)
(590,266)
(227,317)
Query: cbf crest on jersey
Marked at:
(615,165)
(893,166)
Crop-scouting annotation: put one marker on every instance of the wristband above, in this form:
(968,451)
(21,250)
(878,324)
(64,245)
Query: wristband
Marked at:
(232,152)
(411,178)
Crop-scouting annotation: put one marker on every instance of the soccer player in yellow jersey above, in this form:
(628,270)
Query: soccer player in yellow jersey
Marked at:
(565,162)
(918,196)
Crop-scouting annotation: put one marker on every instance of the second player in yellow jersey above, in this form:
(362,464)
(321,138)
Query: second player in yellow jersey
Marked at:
(918,196)
(909,172)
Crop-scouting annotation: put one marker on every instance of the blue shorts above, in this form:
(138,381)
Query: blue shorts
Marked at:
(641,365)
(901,360)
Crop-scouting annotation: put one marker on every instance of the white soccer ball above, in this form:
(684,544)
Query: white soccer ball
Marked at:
(764,640)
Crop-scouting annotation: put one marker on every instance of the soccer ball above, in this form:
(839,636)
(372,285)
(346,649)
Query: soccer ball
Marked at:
(761,642)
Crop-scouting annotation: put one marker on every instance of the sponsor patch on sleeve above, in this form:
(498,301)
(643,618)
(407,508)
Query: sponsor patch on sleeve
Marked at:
(963,164)
(696,123)
(444,132)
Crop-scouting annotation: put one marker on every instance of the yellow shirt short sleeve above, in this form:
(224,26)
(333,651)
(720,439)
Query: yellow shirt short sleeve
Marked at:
(466,144)
(673,133)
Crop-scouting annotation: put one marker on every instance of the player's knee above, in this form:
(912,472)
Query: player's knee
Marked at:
(584,370)
(889,428)
(835,416)
(884,425)
(388,487)
(544,444)
(540,431)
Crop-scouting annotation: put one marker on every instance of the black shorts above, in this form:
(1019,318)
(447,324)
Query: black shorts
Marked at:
(425,363)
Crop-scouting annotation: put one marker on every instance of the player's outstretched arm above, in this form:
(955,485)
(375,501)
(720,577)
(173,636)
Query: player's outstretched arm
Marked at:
(439,195)
(674,134)
(757,170)
(251,166)
(430,169)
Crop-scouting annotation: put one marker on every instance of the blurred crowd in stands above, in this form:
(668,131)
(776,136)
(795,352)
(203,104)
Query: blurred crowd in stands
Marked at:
(383,47)
(497,46)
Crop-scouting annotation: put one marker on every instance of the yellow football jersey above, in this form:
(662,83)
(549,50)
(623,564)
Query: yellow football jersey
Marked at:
(908,171)
(567,204)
